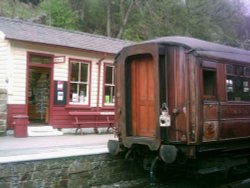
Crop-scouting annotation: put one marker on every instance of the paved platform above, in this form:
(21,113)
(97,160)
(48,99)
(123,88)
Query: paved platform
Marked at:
(36,148)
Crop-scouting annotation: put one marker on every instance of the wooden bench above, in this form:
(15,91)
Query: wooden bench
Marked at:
(87,123)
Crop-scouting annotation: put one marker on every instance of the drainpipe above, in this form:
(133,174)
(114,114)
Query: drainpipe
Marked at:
(99,78)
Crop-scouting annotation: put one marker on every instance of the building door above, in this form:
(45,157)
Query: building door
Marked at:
(39,89)
(143,96)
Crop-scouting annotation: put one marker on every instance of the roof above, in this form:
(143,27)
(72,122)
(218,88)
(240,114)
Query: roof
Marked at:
(205,48)
(37,33)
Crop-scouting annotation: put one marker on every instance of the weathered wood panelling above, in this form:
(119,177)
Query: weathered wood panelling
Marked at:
(210,111)
(231,111)
(235,120)
(177,93)
(193,82)
(233,129)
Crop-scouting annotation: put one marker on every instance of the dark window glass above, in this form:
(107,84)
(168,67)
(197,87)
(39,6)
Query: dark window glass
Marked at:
(74,72)
(237,84)
(230,69)
(40,59)
(109,94)
(209,83)
(84,72)
(239,70)
(109,75)
(247,71)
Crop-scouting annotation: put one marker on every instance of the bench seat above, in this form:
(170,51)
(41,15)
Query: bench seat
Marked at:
(92,123)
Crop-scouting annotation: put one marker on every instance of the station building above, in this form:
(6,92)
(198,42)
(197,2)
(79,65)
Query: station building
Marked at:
(49,71)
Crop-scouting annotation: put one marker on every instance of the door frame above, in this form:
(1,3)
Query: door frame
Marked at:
(125,59)
(49,66)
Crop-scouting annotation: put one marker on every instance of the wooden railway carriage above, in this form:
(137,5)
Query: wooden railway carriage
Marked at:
(178,98)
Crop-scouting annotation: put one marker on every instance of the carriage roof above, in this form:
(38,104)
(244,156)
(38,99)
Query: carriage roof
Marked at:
(205,48)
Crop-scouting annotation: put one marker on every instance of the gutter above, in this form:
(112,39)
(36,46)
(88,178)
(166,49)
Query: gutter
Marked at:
(99,79)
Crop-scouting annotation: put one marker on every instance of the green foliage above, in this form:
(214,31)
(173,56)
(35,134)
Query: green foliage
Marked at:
(59,14)
(95,17)
(33,2)
(14,9)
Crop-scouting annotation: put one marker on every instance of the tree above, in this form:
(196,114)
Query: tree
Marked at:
(58,13)
(33,2)
(221,21)
(107,17)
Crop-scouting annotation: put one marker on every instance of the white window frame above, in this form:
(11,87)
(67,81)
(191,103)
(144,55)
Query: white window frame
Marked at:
(112,85)
(79,99)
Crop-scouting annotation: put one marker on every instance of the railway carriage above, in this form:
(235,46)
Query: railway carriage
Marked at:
(185,102)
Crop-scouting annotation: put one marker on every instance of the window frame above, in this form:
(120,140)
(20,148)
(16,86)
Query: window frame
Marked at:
(209,65)
(237,74)
(112,104)
(205,95)
(88,83)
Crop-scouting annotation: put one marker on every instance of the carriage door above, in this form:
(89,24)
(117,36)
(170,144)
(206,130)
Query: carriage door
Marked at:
(142,96)
(211,103)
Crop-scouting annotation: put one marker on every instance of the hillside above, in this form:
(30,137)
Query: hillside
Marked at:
(16,9)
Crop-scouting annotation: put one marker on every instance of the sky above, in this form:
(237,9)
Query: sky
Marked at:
(247,6)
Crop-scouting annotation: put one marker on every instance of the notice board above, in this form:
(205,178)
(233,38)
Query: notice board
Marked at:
(60,92)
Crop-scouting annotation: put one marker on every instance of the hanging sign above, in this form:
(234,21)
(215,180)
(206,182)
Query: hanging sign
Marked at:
(59,59)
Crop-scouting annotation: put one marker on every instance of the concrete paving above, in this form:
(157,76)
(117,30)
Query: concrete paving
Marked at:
(36,148)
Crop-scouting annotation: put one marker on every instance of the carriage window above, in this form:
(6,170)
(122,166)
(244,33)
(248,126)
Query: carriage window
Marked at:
(209,84)
(237,83)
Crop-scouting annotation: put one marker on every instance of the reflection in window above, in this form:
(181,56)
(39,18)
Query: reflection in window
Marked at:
(79,72)
(237,83)
(109,85)
(245,86)
(229,85)
(209,84)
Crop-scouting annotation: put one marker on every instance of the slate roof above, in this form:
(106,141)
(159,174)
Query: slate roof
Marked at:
(27,31)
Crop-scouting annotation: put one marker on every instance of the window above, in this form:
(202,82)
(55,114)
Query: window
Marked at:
(237,83)
(37,59)
(109,85)
(209,84)
(79,82)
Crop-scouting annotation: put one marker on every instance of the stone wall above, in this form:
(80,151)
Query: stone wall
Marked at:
(3,110)
(73,172)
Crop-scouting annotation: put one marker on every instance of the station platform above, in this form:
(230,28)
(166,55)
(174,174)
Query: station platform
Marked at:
(14,149)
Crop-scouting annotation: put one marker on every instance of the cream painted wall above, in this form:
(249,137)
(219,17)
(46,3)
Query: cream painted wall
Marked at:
(5,62)
(18,60)
(17,81)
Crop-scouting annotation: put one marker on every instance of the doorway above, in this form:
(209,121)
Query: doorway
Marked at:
(39,88)
(38,95)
